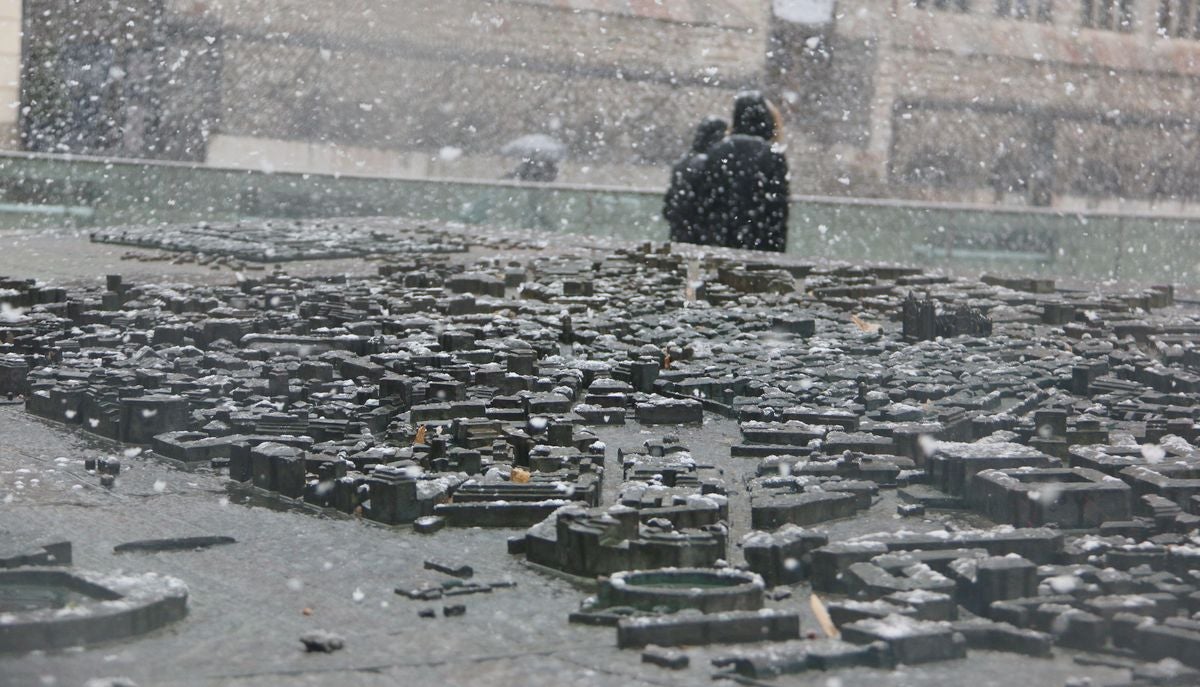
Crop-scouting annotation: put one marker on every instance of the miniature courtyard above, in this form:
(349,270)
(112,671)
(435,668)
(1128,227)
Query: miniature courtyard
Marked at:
(370,451)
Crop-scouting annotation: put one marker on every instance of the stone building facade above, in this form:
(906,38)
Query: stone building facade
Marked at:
(1069,103)
(122,79)
(1066,103)
(404,87)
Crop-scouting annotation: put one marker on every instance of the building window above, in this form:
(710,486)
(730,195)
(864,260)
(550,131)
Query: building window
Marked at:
(1178,19)
(1035,10)
(956,5)
(1110,15)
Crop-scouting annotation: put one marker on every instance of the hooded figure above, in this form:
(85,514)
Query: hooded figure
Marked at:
(681,207)
(745,180)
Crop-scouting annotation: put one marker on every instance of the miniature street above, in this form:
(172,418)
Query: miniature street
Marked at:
(371,452)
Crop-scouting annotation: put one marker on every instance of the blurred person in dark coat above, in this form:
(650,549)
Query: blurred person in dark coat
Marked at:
(682,204)
(746,179)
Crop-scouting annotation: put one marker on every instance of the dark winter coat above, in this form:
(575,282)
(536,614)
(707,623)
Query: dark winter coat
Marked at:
(745,181)
(681,206)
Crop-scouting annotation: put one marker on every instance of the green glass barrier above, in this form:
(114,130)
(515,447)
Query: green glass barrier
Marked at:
(46,190)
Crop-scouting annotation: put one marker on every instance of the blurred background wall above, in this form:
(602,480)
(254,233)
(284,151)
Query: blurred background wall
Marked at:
(1059,103)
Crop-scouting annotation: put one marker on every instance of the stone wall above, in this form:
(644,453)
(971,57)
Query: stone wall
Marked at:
(1030,102)
(117,78)
(440,85)
(445,85)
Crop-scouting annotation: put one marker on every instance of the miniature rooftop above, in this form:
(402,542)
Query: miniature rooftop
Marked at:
(379,451)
